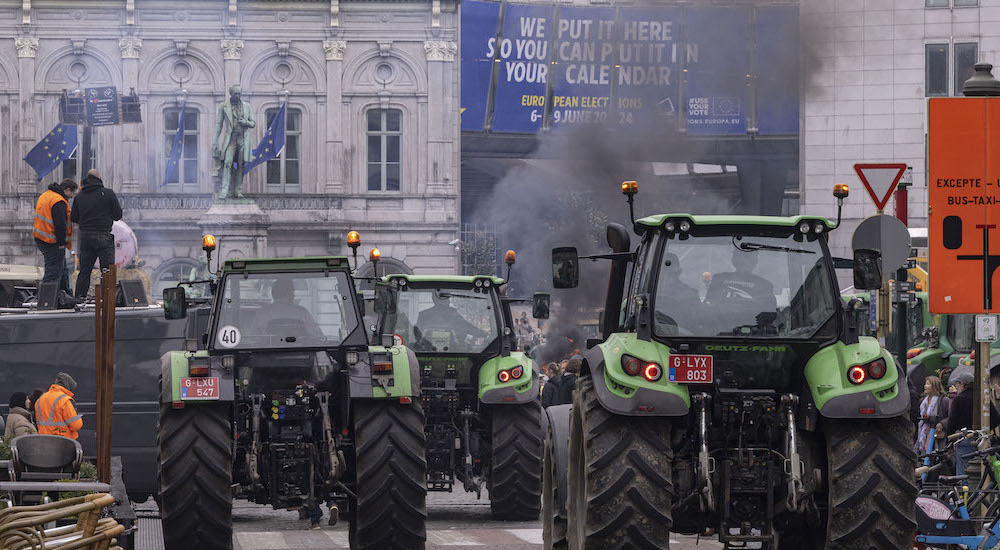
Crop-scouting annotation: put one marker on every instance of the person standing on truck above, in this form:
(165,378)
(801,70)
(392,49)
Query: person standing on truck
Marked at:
(94,211)
(55,412)
(53,231)
(19,419)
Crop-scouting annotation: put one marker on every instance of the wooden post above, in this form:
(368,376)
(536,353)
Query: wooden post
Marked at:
(104,362)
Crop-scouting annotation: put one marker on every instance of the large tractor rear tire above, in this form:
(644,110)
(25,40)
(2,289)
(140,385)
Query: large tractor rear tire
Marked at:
(392,477)
(516,468)
(620,487)
(195,471)
(554,478)
(872,487)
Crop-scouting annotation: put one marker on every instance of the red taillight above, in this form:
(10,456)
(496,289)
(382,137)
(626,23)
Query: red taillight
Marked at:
(198,370)
(381,368)
(866,411)
(856,375)
(516,372)
(406,400)
(631,366)
(652,372)
(876,369)
(504,376)
(910,354)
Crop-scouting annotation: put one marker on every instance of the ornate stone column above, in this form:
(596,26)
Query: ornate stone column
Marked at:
(232,50)
(333,145)
(129,156)
(440,57)
(27,47)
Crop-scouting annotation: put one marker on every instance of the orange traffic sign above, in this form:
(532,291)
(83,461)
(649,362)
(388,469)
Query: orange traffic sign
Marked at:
(964,205)
(880,180)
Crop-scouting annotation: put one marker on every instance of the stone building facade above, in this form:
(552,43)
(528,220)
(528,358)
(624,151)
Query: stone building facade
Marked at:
(373,130)
(875,64)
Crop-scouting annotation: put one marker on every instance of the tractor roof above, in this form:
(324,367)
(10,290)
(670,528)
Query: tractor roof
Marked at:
(776,221)
(313,263)
(446,279)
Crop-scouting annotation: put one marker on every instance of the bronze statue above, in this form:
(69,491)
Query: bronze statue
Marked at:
(236,146)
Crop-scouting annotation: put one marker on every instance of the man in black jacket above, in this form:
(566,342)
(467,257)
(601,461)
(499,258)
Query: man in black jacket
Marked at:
(94,211)
(550,393)
(568,383)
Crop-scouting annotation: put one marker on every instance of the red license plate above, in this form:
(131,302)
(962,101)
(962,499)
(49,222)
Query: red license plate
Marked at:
(200,388)
(691,369)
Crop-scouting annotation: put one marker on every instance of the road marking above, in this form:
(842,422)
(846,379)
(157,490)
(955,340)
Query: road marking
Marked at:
(532,536)
(261,541)
(339,538)
(451,538)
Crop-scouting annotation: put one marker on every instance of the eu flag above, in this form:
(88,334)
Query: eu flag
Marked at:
(272,143)
(176,149)
(52,150)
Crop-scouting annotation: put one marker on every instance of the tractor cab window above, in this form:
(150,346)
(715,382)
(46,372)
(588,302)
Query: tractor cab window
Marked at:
(754,285)
(445,320)
(284,310)
(962,332)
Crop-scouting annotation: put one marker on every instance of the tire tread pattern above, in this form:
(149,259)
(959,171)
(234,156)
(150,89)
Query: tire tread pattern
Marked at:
(391,477)
(872,490)
(628,469)
(195,474)
(516,469)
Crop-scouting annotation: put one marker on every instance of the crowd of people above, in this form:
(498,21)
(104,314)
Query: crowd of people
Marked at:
(942,413)
(559,381)
(51,412)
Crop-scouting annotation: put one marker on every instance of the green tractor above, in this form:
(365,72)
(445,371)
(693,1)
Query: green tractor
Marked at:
(479,393)
(289,403)
(735,398)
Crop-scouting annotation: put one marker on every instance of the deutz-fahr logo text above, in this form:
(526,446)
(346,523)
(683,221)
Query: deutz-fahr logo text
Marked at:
(735,347)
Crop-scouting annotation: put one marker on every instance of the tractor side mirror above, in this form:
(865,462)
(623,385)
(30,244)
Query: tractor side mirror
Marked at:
(618,238)
(867,269)
(385,300)
(565,267)
(174,303)
(540,303)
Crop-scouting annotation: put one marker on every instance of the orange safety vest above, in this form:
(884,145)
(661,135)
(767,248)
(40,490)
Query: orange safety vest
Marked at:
(55,413)
(44,229)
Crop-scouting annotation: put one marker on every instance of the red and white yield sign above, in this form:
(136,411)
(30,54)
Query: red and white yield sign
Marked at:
(880,180)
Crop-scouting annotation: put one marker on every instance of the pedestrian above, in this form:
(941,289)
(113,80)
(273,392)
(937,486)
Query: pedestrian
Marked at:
(550,393)
(959,416)
(55,412)
(18,417)
(32,399)
(932,409)
(94,211)
(570,373)
(53,231)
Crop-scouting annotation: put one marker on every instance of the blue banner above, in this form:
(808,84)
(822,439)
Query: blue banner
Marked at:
(524,58)
(479,23)
(777,86)
(690,68)
(718,76)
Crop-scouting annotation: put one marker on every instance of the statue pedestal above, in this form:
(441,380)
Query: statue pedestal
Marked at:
(239,226)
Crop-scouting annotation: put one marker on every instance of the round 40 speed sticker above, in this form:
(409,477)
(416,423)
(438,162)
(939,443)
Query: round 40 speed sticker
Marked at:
(229,336)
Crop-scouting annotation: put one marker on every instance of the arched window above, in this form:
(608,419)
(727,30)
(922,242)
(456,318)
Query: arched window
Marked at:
(284,173)
(171,273)
(185,178)
(385,137)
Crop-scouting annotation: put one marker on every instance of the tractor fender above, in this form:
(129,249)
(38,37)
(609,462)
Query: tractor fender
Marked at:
(643,400)
(557,417)
(836,397)
(494,392)
(174,365)
(404,380)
